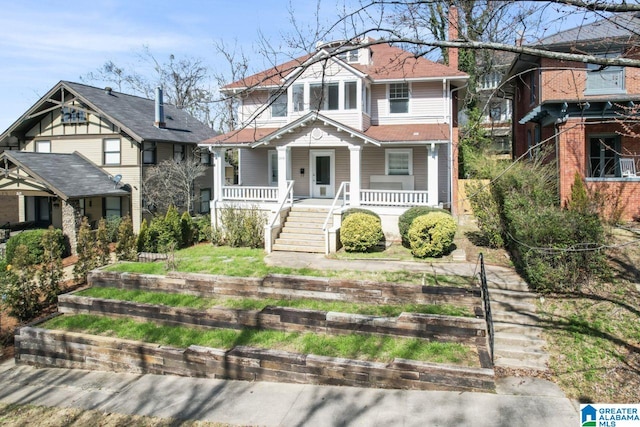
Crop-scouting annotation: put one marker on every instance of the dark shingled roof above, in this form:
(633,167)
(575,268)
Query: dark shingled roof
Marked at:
(615,28)
(137,115)
(70,176)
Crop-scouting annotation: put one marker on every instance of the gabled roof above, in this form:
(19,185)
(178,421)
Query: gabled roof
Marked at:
(388,63)
(377,135)
(609,32)
(79,178)
(133,114)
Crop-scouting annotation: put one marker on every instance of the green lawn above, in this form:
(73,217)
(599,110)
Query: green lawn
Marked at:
(191,301)
(353,346)
(245,262)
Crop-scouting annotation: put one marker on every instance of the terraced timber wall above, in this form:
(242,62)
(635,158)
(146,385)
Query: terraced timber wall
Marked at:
(42,347)
(290,287)
(441,328)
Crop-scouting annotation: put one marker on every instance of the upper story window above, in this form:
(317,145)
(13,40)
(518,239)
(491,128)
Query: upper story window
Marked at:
(398,161)
(43,146)
(324,96)
(205,157)
(178,153)
(149,153)
(366,99)
(533,88)
(398,98)
(297,97)
(350,95)
(111,151)
(350,56)
(604,80)
(278,104)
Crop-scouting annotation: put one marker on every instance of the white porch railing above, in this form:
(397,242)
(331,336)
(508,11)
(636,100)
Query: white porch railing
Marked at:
(250,194)
(393,198)
(343,194)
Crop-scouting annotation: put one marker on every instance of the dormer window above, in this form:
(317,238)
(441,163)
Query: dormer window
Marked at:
(350,56)
(324,96)
(399,98)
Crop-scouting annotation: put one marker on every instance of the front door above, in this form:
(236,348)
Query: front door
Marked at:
(322,166)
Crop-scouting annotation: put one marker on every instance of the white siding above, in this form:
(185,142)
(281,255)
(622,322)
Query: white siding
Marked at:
(426,105)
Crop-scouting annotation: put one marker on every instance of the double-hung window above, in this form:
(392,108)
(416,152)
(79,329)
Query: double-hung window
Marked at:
(399,161)
(603,156)
(324,96)
(149,153)
(398,98)
(205,200)
(297,97)
(350,95)
(205,157)
(178,153)
(273,167)
(112,207)
(278,104)
(111,151)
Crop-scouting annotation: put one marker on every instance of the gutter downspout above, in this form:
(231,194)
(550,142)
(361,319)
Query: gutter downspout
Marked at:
(455,89)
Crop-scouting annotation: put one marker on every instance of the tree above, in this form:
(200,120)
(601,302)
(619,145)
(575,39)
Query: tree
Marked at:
(186,81)
(172,183)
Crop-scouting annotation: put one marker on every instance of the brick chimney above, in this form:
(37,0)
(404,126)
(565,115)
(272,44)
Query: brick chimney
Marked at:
(453,34)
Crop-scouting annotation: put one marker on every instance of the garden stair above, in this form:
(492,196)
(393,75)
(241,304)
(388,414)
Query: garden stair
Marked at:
(302,230)
(518,341)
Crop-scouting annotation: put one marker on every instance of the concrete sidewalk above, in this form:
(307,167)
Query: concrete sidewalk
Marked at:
(520,402)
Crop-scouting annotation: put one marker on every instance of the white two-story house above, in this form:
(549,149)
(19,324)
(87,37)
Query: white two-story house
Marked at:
(362,124)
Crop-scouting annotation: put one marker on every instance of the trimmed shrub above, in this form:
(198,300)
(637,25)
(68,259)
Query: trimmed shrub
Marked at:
(50,273)
(187,229)
(203,229)
(126,248)
(243,227)
(112,223)
(142,240)
(20,292)
(405,220)
(360,232)
(32,239)
(85,249)
(350,211)
(103,253)
(431,235)
(165,233)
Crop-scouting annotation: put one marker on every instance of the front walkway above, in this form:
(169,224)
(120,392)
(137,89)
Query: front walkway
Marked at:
(525,402)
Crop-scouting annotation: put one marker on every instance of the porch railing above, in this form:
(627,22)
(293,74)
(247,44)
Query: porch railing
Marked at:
(393,198)
(251,194)
(342,194)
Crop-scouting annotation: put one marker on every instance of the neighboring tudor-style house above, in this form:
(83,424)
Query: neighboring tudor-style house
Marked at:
(579,109)
(82,151)
(351,125)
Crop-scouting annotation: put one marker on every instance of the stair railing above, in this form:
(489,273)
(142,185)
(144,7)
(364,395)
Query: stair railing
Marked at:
(268,231)
(343,191)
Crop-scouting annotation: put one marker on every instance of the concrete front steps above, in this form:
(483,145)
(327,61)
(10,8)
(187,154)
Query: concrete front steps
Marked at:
(518,342)
(302,230)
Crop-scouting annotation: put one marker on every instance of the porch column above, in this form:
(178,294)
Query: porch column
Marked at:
(355,156)
(432,175)
(284,172)
(218,172)
(71,219)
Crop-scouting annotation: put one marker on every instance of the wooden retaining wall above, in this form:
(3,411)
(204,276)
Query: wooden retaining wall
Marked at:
(437,327)
(41,347)
(291,287)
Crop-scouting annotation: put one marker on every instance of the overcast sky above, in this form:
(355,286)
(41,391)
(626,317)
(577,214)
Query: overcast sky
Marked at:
(43,42)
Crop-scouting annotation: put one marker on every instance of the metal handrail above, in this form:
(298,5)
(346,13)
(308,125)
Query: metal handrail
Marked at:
(343,188)
(487,305)
(287,196)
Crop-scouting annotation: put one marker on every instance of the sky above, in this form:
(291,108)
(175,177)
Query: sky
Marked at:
(43,42)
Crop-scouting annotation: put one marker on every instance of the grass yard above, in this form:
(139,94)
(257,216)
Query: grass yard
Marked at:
(191,301)
(353,346)
(245,262)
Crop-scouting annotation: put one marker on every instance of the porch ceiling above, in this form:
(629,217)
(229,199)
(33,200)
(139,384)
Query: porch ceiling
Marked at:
(548,112)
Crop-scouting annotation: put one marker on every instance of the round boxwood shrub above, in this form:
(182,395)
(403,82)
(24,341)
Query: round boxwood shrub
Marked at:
(32,239)
(360,232)
(405,220)
(350,211)
(431,235)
